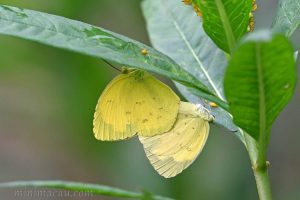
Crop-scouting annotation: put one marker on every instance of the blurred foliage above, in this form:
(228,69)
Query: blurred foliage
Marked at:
(47,100)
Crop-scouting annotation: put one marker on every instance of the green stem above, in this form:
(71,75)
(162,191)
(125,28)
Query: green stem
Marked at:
(260,173)
(83,188)
(256,150)
(263,185)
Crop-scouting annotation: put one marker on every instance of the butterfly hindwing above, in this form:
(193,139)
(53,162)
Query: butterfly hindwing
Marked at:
(172,152)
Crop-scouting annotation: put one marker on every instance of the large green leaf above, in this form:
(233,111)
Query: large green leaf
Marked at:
(288,17)
(225,21)
(94,41)
(89,189)
(260,81)
(175,30)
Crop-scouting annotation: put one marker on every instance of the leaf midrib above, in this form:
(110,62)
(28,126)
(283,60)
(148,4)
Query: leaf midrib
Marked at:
(189,46)
(226,24)
(292,28)
(261,88)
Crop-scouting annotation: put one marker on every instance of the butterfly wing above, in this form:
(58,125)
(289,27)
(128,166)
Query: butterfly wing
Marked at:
(135,103)
(172,152)
(110,120)
(156,106)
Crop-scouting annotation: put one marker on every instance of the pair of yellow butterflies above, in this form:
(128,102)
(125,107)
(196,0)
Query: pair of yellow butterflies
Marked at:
(172,132)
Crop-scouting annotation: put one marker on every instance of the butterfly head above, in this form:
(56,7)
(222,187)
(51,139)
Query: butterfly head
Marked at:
(204,113)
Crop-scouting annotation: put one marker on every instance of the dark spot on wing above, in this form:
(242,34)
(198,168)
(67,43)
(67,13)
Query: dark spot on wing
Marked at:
(145,120)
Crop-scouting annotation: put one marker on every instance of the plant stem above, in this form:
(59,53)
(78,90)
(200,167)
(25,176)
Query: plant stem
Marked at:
(263,184)
(83,188)
(256,150)
(260,173)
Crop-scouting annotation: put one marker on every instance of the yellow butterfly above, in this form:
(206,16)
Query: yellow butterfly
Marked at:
(135,102)
(172,152)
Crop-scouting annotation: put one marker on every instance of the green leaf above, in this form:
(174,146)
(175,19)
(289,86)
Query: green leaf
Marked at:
(174,30)
(288,17)
(225,21)
(260,81)
(91,189)
(93,41)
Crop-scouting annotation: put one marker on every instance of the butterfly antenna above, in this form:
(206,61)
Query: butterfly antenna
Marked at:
(111,65)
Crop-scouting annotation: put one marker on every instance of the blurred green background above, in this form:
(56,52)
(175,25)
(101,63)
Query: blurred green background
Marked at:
(47,100)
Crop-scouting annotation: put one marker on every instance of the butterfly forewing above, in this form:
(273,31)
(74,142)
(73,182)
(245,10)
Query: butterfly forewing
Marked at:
(135,103)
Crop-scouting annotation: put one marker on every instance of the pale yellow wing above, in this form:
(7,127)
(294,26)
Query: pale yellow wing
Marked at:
(172,152)
(135,103)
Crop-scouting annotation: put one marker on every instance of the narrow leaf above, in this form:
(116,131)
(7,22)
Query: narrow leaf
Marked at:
(92,189)
(288,17)
(260,81)
(93,41)
(225,21)
(174,30)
